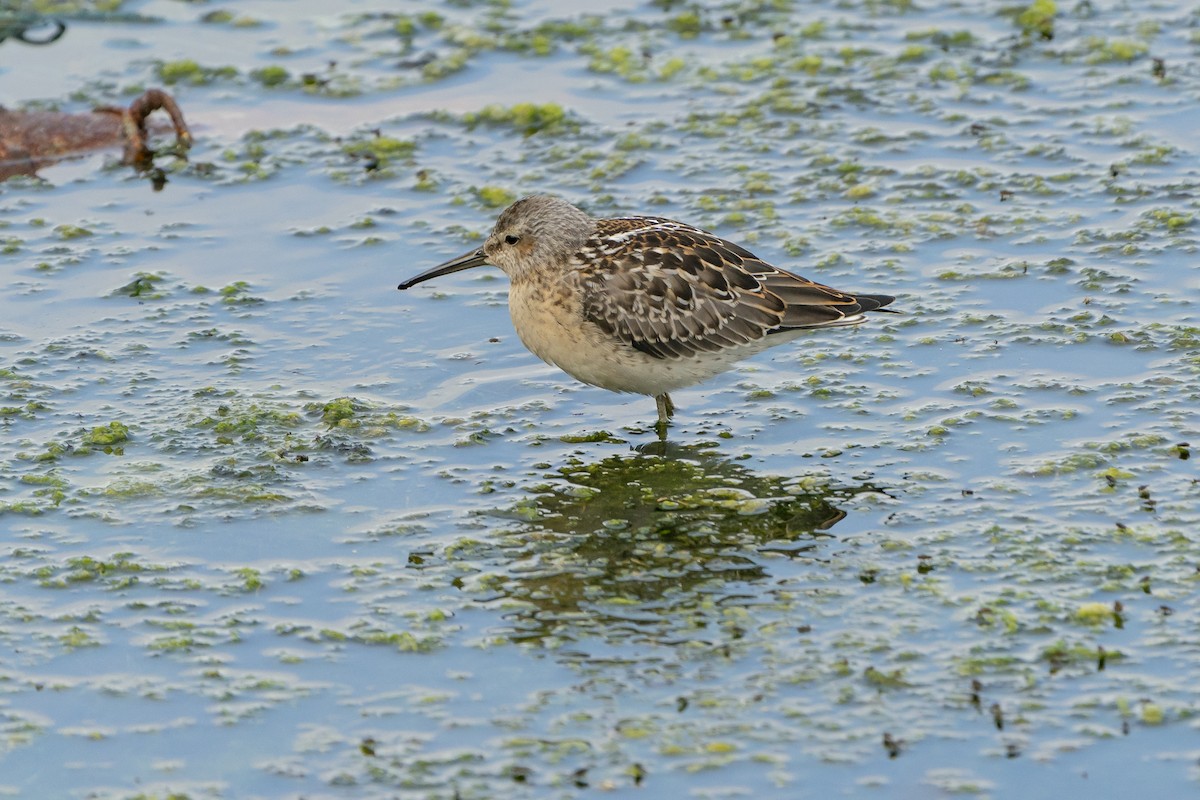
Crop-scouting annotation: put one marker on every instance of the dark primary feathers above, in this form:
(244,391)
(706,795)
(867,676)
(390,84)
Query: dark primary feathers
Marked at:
(673,291)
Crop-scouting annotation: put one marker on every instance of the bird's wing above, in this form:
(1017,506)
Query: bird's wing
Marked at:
(673,291)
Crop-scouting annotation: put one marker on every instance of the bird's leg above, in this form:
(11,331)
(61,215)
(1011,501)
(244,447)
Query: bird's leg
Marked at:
(666,409)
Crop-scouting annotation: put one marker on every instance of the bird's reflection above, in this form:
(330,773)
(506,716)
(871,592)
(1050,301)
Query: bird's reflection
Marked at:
(634,539)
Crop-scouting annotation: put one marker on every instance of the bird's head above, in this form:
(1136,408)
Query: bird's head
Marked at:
(533,233)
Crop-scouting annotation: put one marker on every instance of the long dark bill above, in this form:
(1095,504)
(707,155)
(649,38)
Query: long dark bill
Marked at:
(475,258)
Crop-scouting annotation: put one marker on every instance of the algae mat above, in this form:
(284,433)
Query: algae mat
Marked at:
(272,529)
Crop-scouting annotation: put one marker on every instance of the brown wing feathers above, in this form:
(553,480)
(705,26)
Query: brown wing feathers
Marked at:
(673,291)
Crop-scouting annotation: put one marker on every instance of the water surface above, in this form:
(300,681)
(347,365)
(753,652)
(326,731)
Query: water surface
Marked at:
(272,529)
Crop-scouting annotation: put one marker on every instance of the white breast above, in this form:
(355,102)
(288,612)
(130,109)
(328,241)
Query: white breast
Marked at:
(552,326)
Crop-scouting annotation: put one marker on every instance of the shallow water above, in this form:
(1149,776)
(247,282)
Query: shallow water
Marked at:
(273,529)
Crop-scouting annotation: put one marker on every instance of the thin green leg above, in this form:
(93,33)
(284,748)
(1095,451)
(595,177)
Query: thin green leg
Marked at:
(666,410)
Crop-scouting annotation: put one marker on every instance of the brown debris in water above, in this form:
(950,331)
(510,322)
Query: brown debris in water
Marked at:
(31,139)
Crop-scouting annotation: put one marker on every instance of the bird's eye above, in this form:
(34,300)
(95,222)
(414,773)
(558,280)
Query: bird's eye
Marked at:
(510,239)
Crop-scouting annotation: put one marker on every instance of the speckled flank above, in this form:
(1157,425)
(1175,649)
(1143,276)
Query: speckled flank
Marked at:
(645,304)
(553,326)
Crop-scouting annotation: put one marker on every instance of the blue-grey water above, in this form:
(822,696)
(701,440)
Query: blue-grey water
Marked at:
(273,529)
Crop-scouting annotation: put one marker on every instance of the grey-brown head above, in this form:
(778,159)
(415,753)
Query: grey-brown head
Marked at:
(533,233)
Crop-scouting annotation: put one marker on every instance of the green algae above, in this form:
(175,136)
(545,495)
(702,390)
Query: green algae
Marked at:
(861,216)
(339,411)
(619,60)
(272,76)
(232,423)
(1100,50)
(68,232)
(365,419)
(687,24)
(250,579)
(77,637)
(1037,19)
(238,293)
(529,118)
(190,72)
(648,616)
(597,436)
(110,438)
(144,286)
(384,149)
(494,196)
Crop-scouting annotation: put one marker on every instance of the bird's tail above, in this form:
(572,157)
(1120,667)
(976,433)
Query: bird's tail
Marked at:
(875,302)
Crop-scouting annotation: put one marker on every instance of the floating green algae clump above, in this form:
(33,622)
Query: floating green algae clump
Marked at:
(251,423)
(71,232)
(1038,19)
(143,286)
(494,196)
(382,146)
(1101,50)
(530,118)
(339,412)
(271,76)
(108,437)
(190,72)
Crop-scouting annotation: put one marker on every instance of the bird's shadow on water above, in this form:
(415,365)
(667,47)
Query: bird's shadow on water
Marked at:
(638,543)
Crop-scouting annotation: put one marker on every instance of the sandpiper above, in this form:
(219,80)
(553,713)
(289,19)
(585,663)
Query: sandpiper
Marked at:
(644,304)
